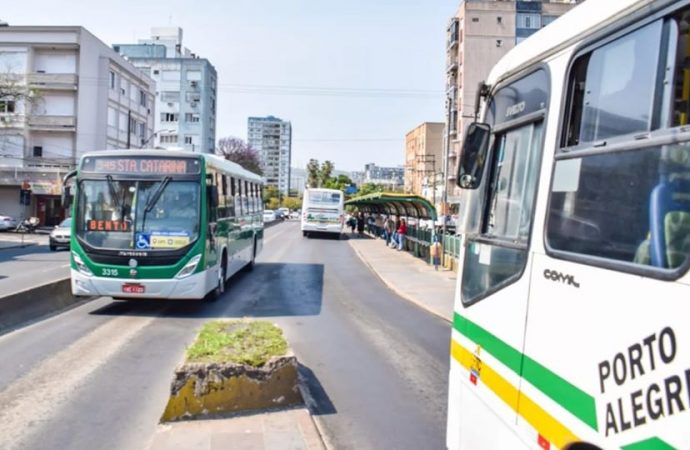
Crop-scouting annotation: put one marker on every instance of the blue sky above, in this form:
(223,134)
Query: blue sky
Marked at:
(352,76)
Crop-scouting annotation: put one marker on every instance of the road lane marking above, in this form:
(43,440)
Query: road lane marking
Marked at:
(40,395)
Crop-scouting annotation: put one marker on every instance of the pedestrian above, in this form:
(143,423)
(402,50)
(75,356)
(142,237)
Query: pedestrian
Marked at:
(371,222)
(387,229)
(402,231)
(360,224)
(435,252)
(353,223)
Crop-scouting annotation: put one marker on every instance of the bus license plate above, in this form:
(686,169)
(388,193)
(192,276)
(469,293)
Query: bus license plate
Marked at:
(131,288)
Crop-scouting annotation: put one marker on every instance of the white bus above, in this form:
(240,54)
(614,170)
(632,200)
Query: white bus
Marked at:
(322,211)
(571,318)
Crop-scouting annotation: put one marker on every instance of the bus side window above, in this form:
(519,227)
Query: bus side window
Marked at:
(630,205)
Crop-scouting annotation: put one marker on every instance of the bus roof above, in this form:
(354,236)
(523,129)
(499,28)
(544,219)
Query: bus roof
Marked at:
(573,26)
(215,160)
(324,190)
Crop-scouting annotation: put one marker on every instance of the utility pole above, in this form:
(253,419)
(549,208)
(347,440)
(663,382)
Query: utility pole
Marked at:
(449,107)
(426,159)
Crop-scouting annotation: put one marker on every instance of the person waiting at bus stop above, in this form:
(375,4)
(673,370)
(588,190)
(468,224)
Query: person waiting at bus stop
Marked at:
(402,231)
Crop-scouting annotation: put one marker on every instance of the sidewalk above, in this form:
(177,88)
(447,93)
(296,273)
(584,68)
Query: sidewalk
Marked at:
(274,430)
(409,277)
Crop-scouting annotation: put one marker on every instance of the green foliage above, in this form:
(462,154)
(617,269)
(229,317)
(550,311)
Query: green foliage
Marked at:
(340,182)
(325,172)
(292,203)
(272,203)
(270,192)
(236,150)
(242,342)
(369,188)
(313,173)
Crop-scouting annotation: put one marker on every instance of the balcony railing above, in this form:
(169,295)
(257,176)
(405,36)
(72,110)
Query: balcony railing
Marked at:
(49,122)
(57,81)
(452,63)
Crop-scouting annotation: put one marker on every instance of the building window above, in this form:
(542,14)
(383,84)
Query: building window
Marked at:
(112,80)
(475,19)
(38,151)
(7,106)
(170,96)
(142,98)
(191,117)
(546,20)
(169,117)
(528,20)
(188,140)
(169,139)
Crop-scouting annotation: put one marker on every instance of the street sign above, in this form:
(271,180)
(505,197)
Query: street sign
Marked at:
(25,197)
(351,189)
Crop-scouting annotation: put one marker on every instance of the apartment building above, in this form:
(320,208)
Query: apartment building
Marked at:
(392,178)
(272,138)
(479,34)
(186,90)
(424,160)
(63,92)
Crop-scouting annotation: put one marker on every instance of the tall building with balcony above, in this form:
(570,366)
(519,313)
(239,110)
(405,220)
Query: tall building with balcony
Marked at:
(424,159)
(272,138)
(479,34)
(63,92)
(186,90)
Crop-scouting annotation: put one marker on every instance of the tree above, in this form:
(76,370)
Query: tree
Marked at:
(325,172)
(20,102)
(236,150)
(313,176)
(292,203)
(370,188)
(270,192)
(340,182)
(273,203)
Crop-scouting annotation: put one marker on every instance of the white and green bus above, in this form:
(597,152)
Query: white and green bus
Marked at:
(571,318)
(322,211)
(161,224)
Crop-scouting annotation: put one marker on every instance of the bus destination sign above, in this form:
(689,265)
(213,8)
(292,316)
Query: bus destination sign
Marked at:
(141,166)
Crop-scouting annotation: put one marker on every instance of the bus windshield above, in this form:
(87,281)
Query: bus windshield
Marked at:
(142,215)
(324,198)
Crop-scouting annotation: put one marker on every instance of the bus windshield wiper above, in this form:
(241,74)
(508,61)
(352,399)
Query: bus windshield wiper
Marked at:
(113,192)
(151,202)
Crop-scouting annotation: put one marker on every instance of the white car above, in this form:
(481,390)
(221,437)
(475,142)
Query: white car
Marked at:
(269,215)
(294,215)
(7,223)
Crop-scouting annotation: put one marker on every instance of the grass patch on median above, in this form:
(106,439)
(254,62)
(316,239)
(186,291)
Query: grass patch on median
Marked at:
(241,342)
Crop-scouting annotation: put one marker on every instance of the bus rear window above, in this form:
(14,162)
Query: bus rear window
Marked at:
(325,198)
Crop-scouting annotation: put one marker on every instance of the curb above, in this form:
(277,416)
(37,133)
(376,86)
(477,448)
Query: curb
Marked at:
(19,245)
(23,307)
(398,292)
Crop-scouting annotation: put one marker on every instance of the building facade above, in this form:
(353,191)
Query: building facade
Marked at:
(392,178)
(186,90)
(480,33)
(424,160)
(298,180)
(272,138)
(63,93)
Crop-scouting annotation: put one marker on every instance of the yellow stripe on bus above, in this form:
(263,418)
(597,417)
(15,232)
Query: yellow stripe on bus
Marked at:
(545,424)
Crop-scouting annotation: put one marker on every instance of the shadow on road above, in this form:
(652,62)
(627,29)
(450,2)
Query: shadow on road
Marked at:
(271,290)
(318,401)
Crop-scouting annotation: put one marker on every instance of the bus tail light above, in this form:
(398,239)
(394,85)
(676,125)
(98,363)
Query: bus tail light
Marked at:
(189,268)
(80,265)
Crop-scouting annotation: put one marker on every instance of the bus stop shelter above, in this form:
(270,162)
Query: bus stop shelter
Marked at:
(404,205)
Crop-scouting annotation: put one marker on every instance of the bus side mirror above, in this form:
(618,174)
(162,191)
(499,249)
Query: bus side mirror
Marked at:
(474,153)
(66,197)
(212,193)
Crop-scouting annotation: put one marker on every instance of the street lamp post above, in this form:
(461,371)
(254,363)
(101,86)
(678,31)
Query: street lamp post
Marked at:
(143,144)
(449,106)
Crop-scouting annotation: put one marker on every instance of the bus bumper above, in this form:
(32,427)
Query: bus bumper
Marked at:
(322,228)
(193,287)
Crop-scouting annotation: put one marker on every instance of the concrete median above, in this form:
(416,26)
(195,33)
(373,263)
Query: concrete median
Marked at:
(34,303)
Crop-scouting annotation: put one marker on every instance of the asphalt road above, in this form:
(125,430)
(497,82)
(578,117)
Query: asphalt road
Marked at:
(22,268)
(97,376)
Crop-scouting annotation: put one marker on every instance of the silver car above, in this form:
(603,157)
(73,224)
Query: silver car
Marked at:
(60,236)
(7,223)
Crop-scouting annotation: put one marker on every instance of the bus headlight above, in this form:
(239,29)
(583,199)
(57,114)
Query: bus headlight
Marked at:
(189,268)
(80,265)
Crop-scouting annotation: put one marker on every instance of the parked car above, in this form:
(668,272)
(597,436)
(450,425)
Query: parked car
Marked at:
(59,237)
(269,215)
(294,215)
(7,223)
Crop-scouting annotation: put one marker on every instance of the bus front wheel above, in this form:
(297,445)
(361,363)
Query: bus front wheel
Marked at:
(216,293)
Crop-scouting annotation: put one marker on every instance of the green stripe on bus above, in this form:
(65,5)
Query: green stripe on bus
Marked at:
(649,444)
(569,396)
